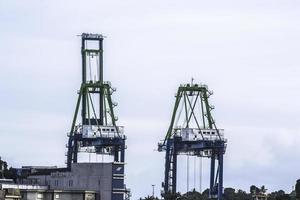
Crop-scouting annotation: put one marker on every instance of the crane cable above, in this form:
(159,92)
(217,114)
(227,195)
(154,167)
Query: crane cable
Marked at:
(90,68)
(200,170)
(91,78)
(201,112)
(194,172)
(97,62)
(187,173)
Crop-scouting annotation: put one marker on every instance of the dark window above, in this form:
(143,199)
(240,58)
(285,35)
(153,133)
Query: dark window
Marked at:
(70,183)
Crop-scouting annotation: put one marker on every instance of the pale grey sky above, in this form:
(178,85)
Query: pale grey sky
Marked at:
(245,51)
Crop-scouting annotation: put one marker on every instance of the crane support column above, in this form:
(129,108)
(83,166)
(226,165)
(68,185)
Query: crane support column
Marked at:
(220,185)
(97,132)
(212,175)
(174,166)
(167,166)
(193,133)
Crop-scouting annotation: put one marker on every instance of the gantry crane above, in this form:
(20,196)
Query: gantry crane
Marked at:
(97,132)
(193,132)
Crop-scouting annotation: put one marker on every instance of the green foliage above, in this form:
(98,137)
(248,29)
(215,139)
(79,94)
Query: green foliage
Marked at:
(10,173)
(263,189)
(7,173)
(149,198)
(229,193)
(233,194)
(297,189)
(170,196)
(242,195)
(254,189)
(193,195)
(3,168)
(279,195)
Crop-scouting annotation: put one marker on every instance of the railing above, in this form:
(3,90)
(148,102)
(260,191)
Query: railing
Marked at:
(102,131)
(24,187)
(194,134)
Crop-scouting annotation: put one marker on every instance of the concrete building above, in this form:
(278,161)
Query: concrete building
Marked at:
(57,195)
(106,179)
(11,191)
(7,192)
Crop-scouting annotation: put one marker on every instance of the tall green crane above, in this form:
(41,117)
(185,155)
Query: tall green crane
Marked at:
(193,132)
(97,130)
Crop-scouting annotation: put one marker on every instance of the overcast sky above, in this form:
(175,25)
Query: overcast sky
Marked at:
(245,51)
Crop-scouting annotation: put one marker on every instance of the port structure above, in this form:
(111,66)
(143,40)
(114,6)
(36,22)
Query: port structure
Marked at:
(193,132)
(98,132)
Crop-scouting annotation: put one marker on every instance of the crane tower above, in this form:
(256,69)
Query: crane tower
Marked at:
(96,131)
(193,132)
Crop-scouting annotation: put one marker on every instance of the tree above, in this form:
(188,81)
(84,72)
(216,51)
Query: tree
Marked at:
(254,189)
(149,198)
(3,167)
(242,195)
(170,196)
(229,194)
(297,189)
(279,195)
(263,189)
(11,173)
(233,194)
(205,194)
(192,195)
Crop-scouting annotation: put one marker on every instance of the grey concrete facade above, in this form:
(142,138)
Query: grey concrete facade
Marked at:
(83,176)
(12,191)
(57,195)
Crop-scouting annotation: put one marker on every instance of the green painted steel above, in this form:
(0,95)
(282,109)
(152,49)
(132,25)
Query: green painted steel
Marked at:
(189,133)
(92,86)
(85,88)
(202,96)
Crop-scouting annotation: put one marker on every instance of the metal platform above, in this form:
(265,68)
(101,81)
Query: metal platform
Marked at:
(197,135)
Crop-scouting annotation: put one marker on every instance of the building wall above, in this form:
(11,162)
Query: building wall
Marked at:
(83,176)
(118,187)
(57,195)
(33,195)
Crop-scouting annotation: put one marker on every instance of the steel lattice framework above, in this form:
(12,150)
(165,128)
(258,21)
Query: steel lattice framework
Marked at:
(97,132)
(196,135)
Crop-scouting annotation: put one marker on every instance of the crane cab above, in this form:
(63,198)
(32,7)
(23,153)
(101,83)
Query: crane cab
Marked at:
(91,131)
(193,134)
